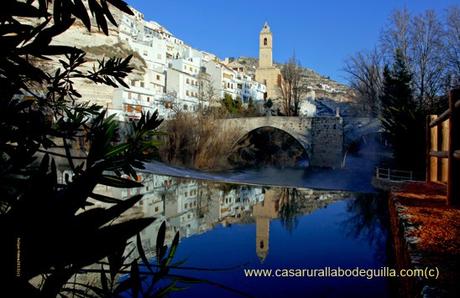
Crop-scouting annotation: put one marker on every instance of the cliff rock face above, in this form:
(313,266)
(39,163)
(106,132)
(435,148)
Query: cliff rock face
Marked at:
(97,46)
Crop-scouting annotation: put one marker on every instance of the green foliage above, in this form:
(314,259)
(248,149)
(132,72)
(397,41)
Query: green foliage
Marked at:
(235,106)
(402,120)
(143,277)
(46,228)
(52,230)
(231,105)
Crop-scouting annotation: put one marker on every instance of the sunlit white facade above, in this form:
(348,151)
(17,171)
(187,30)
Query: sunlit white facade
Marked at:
(172,73)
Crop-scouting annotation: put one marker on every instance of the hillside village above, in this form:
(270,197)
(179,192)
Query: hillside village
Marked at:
(170,75)
(322,86)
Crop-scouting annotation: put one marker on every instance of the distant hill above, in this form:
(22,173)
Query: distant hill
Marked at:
(323,86)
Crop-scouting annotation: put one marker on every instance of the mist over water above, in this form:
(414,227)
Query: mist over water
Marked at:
(355,175)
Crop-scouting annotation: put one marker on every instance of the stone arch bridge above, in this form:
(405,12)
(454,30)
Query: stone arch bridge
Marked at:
(321,137)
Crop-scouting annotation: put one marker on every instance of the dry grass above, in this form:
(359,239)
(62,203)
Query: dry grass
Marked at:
(197,141)
(439,225)
(437,228)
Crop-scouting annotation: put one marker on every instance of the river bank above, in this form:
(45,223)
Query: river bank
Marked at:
(355,176)
(426,234)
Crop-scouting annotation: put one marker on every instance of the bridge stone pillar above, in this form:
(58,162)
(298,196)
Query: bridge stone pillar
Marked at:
(327,142)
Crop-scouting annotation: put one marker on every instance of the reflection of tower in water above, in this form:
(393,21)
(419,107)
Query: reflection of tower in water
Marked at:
(263,213)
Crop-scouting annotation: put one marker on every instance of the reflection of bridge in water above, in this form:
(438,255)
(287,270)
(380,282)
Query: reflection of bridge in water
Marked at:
(320,137)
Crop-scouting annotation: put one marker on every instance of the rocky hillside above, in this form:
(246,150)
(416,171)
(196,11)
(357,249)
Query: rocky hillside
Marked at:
(323,86)
(97,46)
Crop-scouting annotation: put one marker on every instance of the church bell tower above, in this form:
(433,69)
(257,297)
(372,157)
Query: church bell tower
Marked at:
(265,47)
(267,73)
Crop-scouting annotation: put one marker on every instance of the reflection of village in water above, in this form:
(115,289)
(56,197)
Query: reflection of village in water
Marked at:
(194,207)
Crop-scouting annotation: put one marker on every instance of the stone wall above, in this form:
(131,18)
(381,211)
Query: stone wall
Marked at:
(322,137)
(327,142)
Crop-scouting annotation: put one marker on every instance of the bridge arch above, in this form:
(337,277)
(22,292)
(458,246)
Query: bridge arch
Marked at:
(320,137)
(255,138)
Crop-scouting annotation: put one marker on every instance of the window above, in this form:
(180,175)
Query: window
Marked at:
(265,41)
(133,83)
(187,93)
(185,107)
(142,84)
(158,77)
(187,81)
(156,209)
(148,98)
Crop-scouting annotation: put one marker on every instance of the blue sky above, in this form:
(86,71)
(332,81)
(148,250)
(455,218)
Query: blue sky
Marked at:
(323,33)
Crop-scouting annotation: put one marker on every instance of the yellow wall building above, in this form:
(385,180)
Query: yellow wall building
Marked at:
(267,73)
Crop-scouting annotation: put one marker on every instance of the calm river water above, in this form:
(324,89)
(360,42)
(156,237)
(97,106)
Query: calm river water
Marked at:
(236,227)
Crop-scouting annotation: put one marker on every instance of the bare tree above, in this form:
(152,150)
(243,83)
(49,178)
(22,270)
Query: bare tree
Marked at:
(169,101)
(396,35)
(426,52)
(420,39)
(292,87)
(206,90)
(453,42)
(364,71)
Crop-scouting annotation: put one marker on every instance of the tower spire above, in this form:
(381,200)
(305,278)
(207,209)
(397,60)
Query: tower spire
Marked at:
(266,27)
